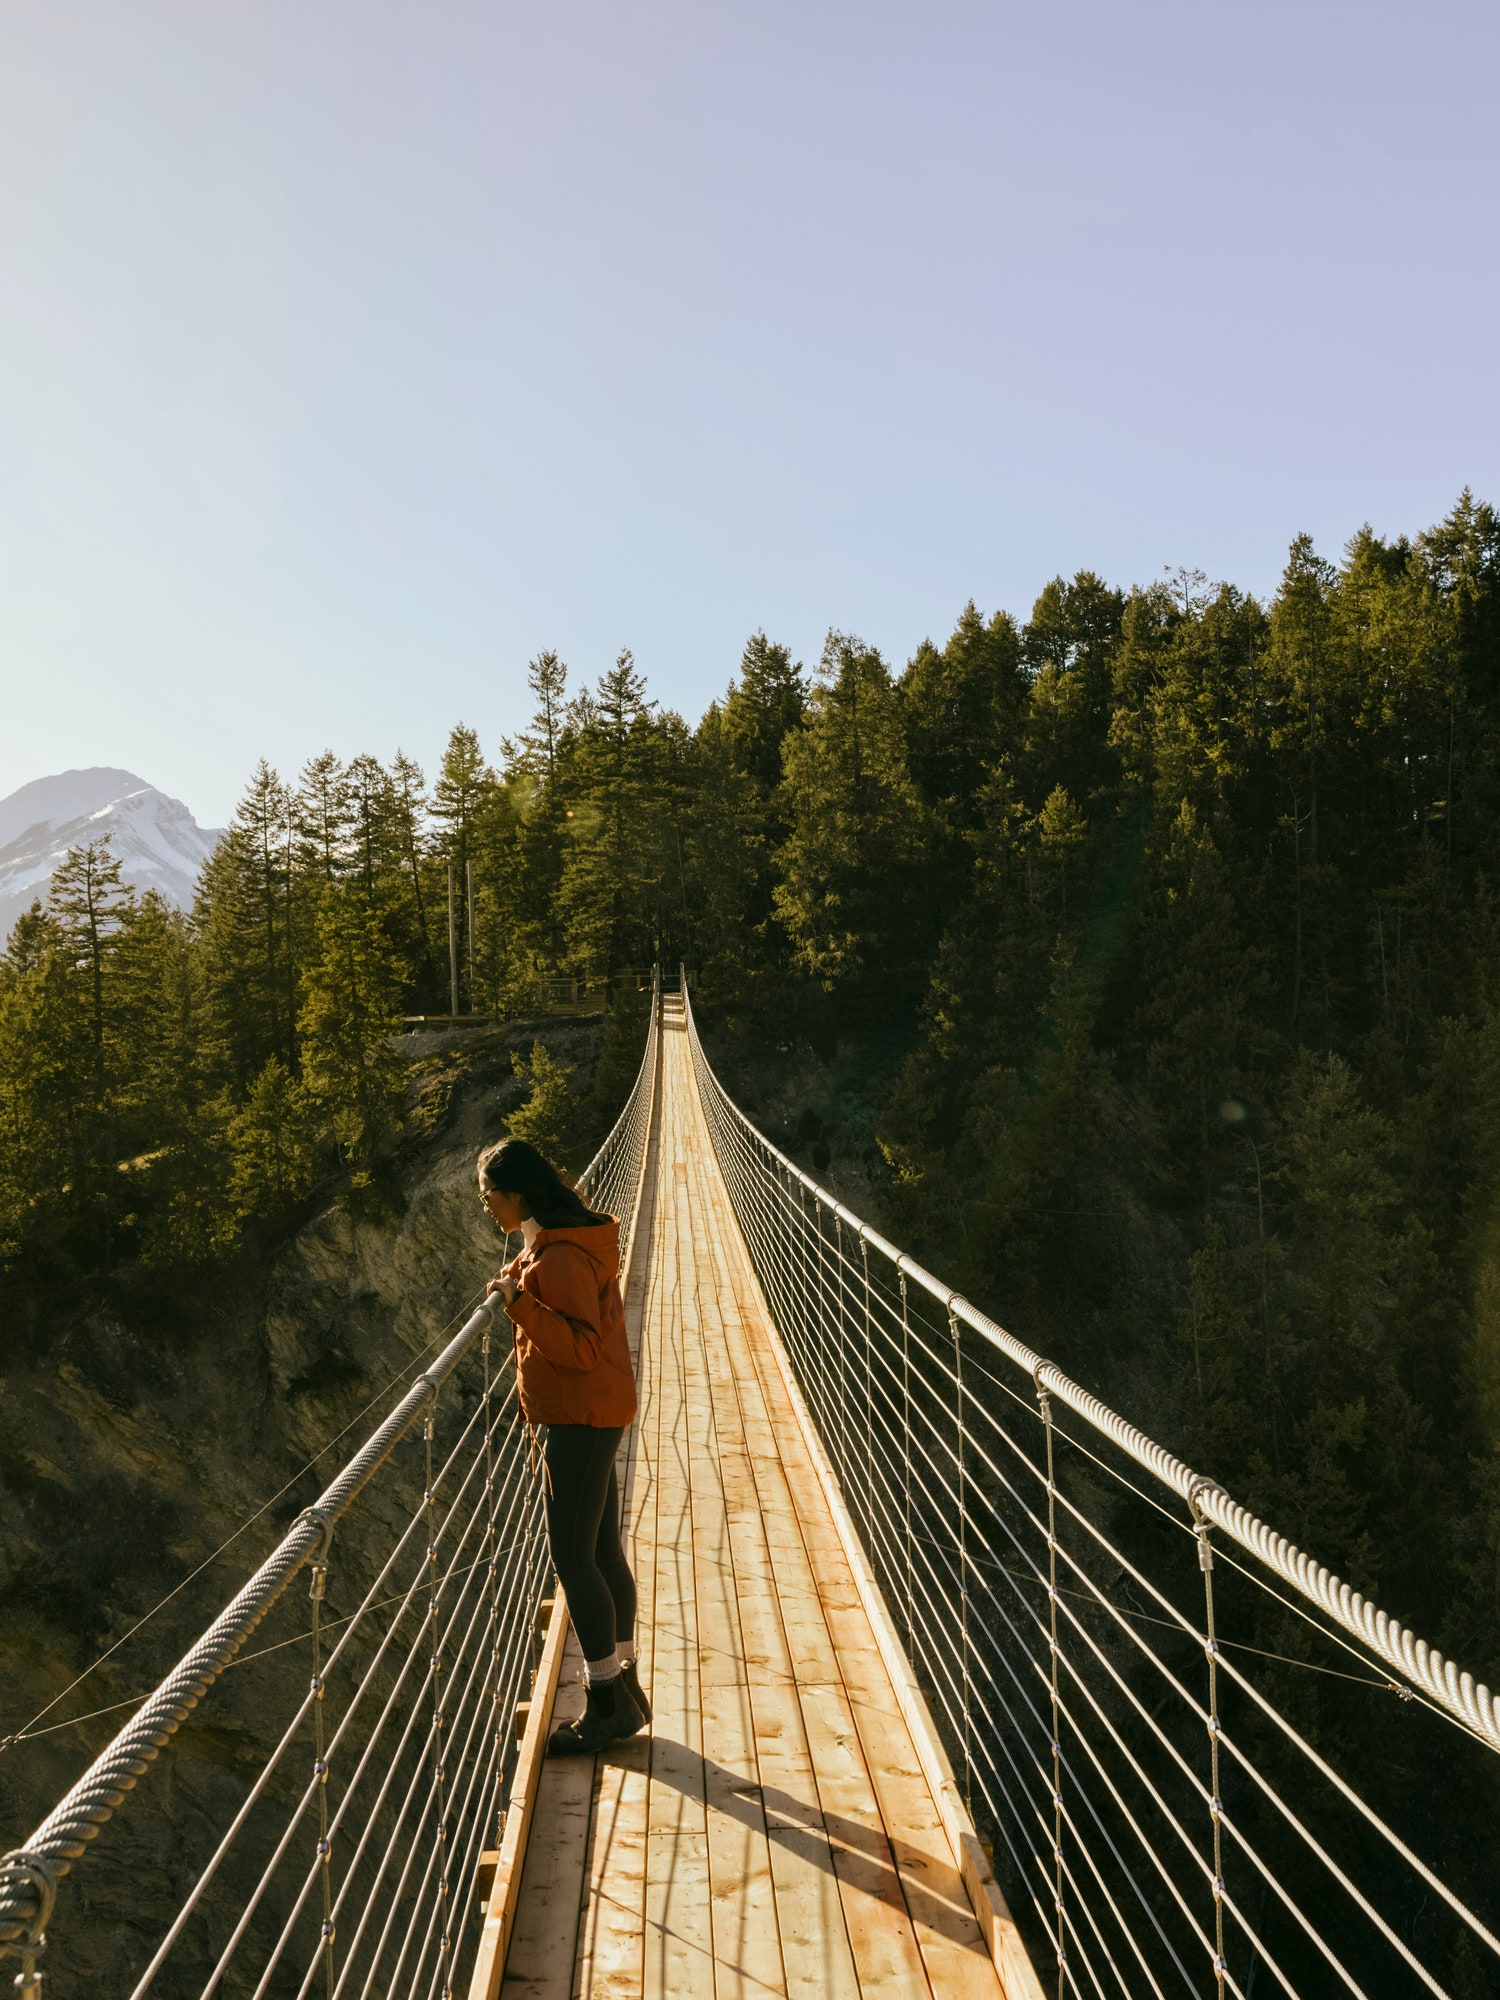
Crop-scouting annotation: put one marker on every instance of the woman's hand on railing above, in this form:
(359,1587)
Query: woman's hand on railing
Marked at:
(506,1287)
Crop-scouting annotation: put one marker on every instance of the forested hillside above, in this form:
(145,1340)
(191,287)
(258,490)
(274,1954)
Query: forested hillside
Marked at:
(1172,917)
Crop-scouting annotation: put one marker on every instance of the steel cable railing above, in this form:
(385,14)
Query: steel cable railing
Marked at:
(1166,1809)
(350,1858)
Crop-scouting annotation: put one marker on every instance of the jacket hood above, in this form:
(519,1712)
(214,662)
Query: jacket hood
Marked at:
(599,1241)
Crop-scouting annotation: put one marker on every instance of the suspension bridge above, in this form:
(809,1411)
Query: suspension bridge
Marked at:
(951,1684)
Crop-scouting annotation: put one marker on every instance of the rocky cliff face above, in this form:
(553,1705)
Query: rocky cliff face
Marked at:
(139,1435)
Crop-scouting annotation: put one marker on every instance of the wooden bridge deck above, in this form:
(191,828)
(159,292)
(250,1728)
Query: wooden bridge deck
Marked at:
(773,1833)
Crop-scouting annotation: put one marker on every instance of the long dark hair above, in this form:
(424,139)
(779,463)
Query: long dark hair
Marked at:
(513,1167)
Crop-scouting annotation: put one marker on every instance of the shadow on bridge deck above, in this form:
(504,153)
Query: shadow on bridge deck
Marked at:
(774,1833)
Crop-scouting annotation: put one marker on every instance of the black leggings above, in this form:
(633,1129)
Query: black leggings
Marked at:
(583,1529)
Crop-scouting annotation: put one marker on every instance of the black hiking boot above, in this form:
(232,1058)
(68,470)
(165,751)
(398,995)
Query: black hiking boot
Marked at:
(610,1716)
(632,1680)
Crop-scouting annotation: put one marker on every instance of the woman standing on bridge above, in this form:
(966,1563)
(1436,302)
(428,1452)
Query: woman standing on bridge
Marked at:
(574,1375)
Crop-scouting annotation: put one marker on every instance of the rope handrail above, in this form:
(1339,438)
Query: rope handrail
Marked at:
(30,1873)
(1468,1700)
(1148,1804)
(1166,1820)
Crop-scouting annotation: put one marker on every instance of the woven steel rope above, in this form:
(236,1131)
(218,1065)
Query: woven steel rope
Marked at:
(831,1280)
(30,1874)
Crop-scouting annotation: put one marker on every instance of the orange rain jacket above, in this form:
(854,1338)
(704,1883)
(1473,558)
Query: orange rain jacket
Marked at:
(572,1358)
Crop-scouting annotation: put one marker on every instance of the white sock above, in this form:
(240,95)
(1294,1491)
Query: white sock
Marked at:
(625,1652)
(607,1669)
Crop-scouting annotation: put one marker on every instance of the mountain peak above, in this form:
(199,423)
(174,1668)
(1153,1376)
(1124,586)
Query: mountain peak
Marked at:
(66,796)
(158,842)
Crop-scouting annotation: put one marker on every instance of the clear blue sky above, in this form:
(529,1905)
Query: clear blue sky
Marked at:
(352,352)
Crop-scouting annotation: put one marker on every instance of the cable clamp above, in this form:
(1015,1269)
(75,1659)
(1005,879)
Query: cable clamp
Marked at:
(1216,1809)
(322,1520)
(1214,1726)
(1395,1687)
(1219,1889)
(18,1869)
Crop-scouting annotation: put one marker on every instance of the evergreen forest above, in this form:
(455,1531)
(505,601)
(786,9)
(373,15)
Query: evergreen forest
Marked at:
(1147,947)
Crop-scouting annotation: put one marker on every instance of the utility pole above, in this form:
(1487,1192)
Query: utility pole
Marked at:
(452,946)
(469,869)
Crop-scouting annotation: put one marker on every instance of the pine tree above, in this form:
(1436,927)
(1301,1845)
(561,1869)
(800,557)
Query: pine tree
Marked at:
(352,1009)
(1068,646)
(535,749)
(548,1117)
(272,1151)
(322,809)
(761,710)
(466,794)
(407,801)
(851,891)
(622,893)
(1306,688)
(963,708)
(373,852)
(247,906)
(89,904)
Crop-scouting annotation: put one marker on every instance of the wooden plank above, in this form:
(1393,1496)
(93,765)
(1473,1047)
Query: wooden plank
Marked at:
(611,1938)
(553,1886)
(816,1955)
(878,1932)
(944,1926)
(499,1917)
(678,1935)
(784,1834)
(747,1945)
(539,1959)
(927,1883)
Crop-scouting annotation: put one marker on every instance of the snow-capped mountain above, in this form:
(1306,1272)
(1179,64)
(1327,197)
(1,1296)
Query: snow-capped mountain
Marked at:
(159,843)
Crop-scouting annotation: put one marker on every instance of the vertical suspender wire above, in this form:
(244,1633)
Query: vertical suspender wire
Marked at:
(911,1584)
(846,1466)
(1057,1804)
(960,1460)
(491,1550)
(1215,1802)
(438,1715)
(864,1258)
(799,1326)
(807,1309)
(822,1310)
(821,1321)
(317,1589)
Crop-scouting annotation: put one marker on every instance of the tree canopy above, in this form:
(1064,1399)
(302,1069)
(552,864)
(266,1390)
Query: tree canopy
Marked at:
(1178,907)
